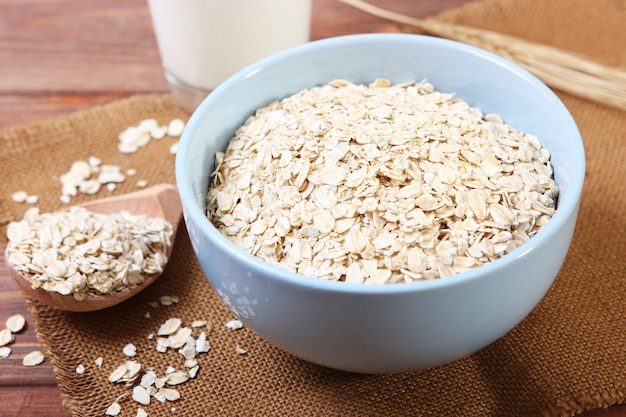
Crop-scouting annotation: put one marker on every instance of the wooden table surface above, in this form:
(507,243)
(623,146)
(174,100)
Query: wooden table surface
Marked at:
(59,56)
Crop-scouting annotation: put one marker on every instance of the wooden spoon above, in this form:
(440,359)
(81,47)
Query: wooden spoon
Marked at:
(157,201)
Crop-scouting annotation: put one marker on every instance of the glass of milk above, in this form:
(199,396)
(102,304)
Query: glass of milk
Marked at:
(203,42)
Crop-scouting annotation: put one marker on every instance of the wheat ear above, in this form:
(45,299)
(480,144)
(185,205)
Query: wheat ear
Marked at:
(559,69)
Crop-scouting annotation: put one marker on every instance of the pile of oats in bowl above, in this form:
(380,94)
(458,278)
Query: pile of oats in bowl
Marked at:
(84,253)
(380,184)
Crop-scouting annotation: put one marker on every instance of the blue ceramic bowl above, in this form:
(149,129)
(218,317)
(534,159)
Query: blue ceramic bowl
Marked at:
(382,328)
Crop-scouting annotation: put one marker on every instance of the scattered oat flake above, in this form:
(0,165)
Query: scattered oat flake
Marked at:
(202,344)
(168,300)
(147,124)
(15,323)
(99,361)
(175,127)
(141,395)
(80,369)
(191,364)
(170,326)
(33,358)
(240,350)
(118,373)
(148,379)
(142,184)
(114,409)
(172,334)
(32,199)
(174,148)
(178,339)
(89,187)
(131,139)
(111,174)
(198,323)
(141,412)
(129,350)
(94,161)
(234,325)
(170,394)
(126,372)
(176,378)
(158,132)
(19,196)
(23,197)
(6,337)
(135,137)
(162,344)
(159,397)
(5,352)
(189,352)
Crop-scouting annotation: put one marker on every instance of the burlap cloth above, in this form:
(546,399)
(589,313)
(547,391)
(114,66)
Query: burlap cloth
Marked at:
(567,356)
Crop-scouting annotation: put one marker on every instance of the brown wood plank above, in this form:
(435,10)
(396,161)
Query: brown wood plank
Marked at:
(26,401)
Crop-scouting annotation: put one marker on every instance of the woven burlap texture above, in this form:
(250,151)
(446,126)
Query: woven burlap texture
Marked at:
(568,355)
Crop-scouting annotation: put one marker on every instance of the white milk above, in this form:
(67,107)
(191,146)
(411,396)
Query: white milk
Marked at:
(203,42)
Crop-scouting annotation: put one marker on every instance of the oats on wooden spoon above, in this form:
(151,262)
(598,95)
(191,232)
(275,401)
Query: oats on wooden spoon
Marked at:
(96,255)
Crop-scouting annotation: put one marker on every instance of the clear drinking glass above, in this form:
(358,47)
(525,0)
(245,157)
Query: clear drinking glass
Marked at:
(203,42)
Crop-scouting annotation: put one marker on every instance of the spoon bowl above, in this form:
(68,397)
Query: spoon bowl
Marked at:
(157,201)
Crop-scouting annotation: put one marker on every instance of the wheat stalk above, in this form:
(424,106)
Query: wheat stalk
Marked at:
(559,69)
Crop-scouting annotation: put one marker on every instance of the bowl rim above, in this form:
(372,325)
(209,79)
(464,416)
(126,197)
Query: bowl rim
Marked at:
(566,208)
